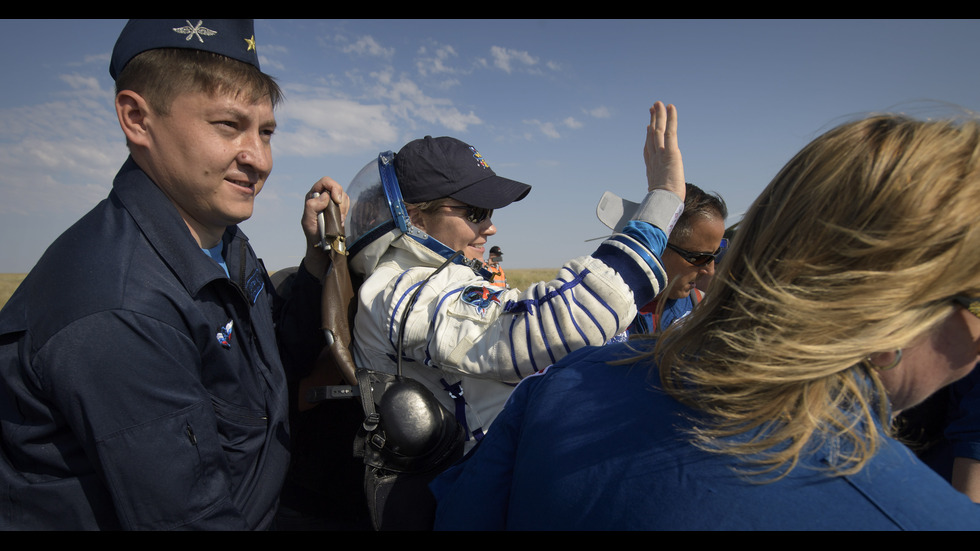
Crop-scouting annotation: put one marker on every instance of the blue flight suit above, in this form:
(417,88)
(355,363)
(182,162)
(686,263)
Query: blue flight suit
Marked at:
(141,388)
(594,445)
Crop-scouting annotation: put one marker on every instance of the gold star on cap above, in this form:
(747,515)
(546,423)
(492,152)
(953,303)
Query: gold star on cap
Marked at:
(251,44)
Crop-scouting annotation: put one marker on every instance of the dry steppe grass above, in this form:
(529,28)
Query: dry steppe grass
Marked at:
(8,284)
(519,279)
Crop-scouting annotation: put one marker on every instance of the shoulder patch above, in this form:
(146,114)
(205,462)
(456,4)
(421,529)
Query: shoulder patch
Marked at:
(481,298)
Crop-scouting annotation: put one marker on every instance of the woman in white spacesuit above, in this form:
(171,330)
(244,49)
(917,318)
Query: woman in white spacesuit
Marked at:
(417,227)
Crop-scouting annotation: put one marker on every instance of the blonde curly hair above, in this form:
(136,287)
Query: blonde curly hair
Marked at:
(855,247)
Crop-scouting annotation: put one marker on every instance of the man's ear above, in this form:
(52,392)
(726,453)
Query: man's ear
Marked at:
(132,111)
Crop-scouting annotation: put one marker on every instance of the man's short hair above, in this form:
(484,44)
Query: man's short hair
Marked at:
(698,203)
(162,74)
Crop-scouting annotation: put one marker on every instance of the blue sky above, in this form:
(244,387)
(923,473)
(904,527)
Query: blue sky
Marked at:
(561,105)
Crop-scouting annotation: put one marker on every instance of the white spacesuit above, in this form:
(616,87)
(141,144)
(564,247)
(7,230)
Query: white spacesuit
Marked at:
(466,340)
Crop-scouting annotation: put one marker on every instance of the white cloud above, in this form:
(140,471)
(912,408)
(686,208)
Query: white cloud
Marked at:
(435,61)
(83,84)
(271,56)
(505,58)
(310,127)
(100,60)
(57,177)
(546,128)
(601,112)
(315,122)
(408,101)
(550,129)
(367,45)
(60,156)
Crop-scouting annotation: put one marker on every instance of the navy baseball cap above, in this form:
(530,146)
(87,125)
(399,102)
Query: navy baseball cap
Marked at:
(234,38)
(432,168)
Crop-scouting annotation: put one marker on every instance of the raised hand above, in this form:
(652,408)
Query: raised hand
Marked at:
(662,156)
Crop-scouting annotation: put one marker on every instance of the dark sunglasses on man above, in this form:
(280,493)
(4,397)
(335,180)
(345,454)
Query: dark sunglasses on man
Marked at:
(699,259)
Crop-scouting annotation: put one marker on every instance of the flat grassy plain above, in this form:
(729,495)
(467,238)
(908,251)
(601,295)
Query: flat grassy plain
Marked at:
(519,279)
(8,284)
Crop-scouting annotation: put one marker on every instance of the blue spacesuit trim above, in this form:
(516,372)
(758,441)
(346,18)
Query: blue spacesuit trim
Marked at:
(526,309)
(561,334)
(432,321)
(592,317)
(633,274)
(442,301)
(574,319)
(528,341)
(518,306)
(513,353)
(637,248)
(386,169)
(581,333)
(652,237)
(370,237)
(543,307)
(401,299)
(401,219)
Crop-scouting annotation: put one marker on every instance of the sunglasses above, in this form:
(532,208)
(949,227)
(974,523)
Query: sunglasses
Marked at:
(699,259)
(473,214)
(971,304)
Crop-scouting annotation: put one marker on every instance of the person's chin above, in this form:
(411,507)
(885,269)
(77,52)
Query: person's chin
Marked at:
(682,293)
(474,253)
(238,215)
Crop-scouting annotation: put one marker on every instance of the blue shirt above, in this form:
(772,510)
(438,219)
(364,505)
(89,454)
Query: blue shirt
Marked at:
(593,446)
(960,423)
(964,428)
(674,309)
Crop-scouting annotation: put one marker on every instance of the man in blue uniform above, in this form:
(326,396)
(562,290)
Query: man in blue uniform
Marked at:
(141,383)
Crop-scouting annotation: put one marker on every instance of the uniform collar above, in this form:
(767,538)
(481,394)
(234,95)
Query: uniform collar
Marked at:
(159,221)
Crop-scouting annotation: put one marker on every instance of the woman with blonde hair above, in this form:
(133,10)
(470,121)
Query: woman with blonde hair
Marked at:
(846,296)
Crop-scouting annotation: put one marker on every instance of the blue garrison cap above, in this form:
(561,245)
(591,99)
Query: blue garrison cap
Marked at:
(234,38)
